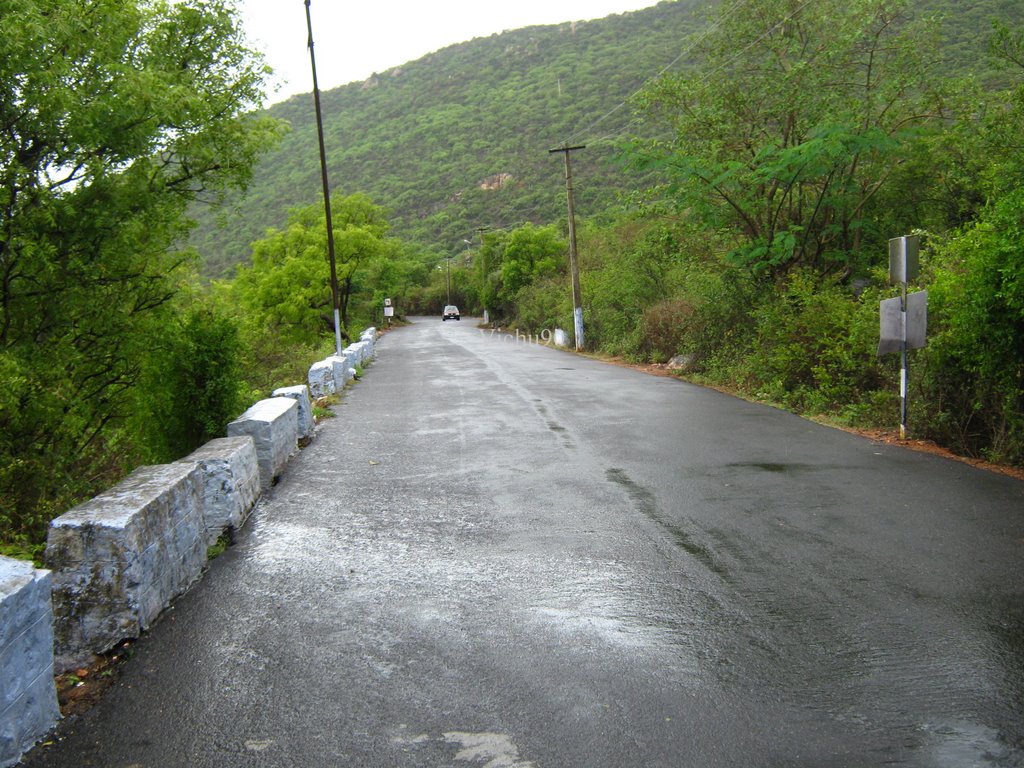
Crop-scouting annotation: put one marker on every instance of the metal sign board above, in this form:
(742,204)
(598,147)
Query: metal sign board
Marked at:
(917,320)
(387,302)
(891,323)
(890,337)
(389,311)
(903,258)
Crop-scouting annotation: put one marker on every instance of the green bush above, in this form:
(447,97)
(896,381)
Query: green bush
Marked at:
(193,385)
(973,384)
(814,347)
(665,328)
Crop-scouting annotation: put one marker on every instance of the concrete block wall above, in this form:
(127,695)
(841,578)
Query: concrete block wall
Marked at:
(273,425)
(28,698)
(300,394)
(231,483)
(120,558)
(342,371)
(321,378)
(330,375)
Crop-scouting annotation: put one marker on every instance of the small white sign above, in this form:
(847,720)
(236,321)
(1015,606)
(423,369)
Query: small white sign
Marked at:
(389,311)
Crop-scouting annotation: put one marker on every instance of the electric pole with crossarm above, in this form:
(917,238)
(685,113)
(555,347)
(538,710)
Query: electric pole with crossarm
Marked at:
(577,296)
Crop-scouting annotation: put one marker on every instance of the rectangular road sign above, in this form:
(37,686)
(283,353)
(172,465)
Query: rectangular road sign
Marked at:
(890,337)
(903,258)
(917,319)
(891,323)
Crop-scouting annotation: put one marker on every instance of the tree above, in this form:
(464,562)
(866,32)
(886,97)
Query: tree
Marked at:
(974,378)
(531,253)
(287,288)
(795,118)
(114,116)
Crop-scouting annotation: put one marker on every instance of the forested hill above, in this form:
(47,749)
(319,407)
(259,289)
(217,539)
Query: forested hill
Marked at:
(458,140)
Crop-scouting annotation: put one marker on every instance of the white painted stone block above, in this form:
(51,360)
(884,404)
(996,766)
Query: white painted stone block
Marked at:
(300,394)
(352,355)
(370,337)
(342,371)
(28,697)
(273,425)
(231,482)
(362,349)
(561,338)
(121,557)
(321,379)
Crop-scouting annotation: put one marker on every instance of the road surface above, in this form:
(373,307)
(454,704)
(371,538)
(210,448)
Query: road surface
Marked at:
(504,555)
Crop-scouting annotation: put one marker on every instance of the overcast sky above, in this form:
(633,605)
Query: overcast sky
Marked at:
(352,40)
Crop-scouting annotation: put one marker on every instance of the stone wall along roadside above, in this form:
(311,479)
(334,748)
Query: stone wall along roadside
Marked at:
(273,425)
(231,483)
(120,558)
(332,374)
(28,698)
(342,371)
(321,379)
(300,394)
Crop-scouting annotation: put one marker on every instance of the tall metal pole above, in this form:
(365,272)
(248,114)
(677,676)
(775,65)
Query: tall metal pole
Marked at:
(903,360)
(327,191)
(577,295)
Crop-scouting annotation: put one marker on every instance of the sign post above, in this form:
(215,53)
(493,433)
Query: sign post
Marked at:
(903,320)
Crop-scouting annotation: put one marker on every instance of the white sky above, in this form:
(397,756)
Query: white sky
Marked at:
(352,40)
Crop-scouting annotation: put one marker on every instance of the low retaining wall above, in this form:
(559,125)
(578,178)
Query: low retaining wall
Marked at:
(342,370)
(330,375)
(231,483)
(321,378)
(300,394)
(28,698)
(273,425)
(118,560)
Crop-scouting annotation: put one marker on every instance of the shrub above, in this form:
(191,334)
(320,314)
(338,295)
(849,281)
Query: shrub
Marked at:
(665,329)
(193,385)
(974,376)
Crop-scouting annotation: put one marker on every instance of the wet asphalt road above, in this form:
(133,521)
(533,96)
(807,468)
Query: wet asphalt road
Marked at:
(509,556)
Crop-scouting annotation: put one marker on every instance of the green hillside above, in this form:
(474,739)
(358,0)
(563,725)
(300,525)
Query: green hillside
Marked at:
(458,140)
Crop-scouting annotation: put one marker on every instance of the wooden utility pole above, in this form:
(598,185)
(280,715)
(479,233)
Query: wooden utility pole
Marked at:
(574,269)
(327,191)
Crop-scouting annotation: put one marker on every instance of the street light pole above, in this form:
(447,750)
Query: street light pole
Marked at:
(327,191)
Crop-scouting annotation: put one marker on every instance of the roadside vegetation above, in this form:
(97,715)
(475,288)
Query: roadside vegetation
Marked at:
(798,144)
(757,189)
